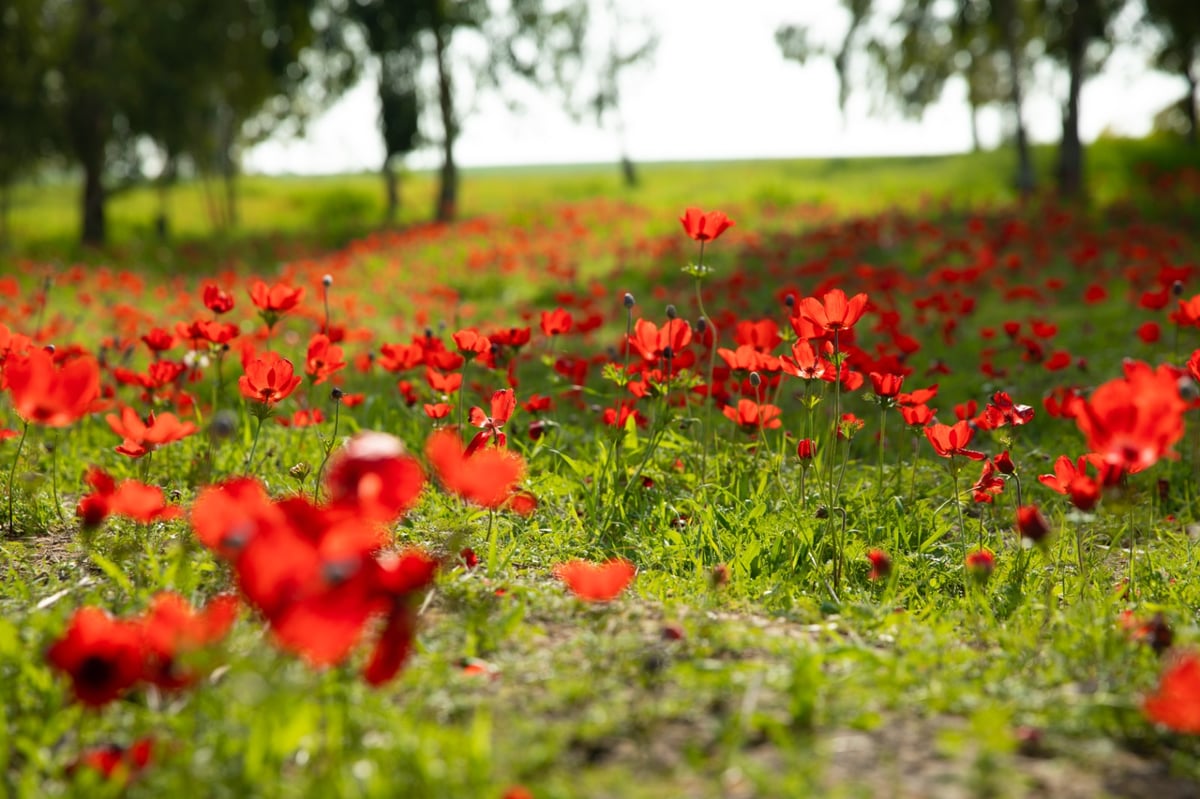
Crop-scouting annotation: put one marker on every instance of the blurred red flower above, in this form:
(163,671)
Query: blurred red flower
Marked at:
(140,438)
(596,582)
(101,655)
(1132,421)
(1176,703)
(46,394)
(487,477)
(703,226)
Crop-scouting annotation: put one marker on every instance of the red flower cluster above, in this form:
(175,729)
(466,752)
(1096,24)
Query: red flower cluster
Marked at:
(105,657)
(131,499)
(320,574)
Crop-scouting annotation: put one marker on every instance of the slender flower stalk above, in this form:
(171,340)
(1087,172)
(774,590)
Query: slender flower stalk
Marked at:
(328,446)
(12,472)
(54,476)
(254,445)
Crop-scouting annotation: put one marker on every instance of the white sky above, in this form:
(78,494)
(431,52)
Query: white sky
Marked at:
(718,88)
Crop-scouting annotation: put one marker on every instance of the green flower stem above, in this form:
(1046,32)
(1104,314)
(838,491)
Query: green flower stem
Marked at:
(54,477)
(254,446)
(328,447)
(12,472)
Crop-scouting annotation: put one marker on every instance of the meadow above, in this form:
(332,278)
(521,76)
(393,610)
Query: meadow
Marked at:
(830,478)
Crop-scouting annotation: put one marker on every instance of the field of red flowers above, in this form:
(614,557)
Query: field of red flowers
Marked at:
(614,501)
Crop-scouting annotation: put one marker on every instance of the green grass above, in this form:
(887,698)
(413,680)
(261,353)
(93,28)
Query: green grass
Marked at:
(796,677)
(44,218)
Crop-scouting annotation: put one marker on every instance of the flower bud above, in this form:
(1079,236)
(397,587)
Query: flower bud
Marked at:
(1031,524)
(980,564)
(881,564)
(627,300)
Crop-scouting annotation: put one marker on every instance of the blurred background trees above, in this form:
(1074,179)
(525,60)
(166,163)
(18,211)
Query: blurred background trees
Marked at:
(123,92)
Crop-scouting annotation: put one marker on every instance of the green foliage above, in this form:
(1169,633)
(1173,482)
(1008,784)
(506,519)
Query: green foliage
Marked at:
(737,663)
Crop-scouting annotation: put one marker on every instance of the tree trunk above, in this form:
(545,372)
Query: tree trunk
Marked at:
(1008,23)
(629,172)
(1193,134)
(392,186)
(86,119)
(1070,150)
(5,208)
(162,222)
(229,177)
(95,226)
(975,145)
(447,199)
(973,103)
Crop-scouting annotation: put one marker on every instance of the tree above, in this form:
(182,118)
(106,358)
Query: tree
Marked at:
(1177,51)
(25,124)
(937,43)
(1009,22)
(390,31)
(912,55)
(472,46)
(190,75)
(592,86)
(795,45)
(1077,35)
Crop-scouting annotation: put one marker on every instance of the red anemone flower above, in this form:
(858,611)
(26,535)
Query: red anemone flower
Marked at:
(881,564)
(101,655)
(806,363)
(141,437)
(131,499)
(471,342)
(268,379)
(886,386)
(46,394)
(596,582)
(275,299)
(487,478)
(503,404)
(751,416)
(217,299)
(1176,703)
(113,762)
(1031,524)
(556,322)
(322,359)
(652,342)
(1071,478)
(833,312)
(1132,421)
(988,484)
(172,628)
(373,475)
(703,226)
(980,564)
(951,440)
